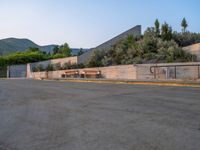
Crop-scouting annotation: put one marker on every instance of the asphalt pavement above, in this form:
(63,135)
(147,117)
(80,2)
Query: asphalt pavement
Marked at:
(51,115)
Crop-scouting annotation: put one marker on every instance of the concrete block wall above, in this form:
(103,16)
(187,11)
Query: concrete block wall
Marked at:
(136,72)
(119,72)
(186,72)
(112,72)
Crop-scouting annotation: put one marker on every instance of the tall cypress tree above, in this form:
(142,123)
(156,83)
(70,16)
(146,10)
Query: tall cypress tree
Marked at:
(184,25)
(166,32)
(157,27)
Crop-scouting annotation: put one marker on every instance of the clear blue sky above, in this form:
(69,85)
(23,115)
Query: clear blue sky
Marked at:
(88,23)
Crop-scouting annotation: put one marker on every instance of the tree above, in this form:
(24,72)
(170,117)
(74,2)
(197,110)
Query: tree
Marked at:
(157,27)
(57,66)
(95,60)
(166,32)
(38,68)
(186,39)
(80,52)
(55,50)
(61,51)
(33,49)
(150,32)
(184,25)
(65,50)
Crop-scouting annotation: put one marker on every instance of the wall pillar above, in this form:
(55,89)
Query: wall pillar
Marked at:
(8,71)
(28,71)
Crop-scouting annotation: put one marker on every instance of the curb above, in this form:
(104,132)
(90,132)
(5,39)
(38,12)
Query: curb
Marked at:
(156,83)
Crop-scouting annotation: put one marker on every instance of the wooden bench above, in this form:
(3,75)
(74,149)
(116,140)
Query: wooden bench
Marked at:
(91,74)
(70,73)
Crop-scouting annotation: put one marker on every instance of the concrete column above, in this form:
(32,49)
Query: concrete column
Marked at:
(28,71)
(8,71)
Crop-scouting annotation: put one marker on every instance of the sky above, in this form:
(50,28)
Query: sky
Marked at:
(88,23)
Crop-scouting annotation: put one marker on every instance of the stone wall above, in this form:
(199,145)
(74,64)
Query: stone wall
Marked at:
(136,72)
(112,72)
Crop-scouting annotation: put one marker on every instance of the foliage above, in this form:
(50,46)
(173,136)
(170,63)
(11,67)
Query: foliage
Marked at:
(63,50)
(57,66)
(155,46)
(3,61)
(66,66)
(23,58)
(3,71)
(38,68)
(49,67)
(33,54)
(33,49)
(55,56)
(80,52)
(186,38)
(157,27)
(184,25)
(56,50)
(166,32)
(148,49)
(96,59)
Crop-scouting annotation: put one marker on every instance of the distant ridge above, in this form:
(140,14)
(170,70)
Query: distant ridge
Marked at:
(75,51)
(11,45)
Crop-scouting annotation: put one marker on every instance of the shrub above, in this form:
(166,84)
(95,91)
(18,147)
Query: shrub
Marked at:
(38,68)
(66,66)
(49,67)
(57,66)
(149,49)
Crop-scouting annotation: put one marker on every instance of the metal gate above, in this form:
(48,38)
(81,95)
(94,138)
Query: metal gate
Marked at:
(17,71)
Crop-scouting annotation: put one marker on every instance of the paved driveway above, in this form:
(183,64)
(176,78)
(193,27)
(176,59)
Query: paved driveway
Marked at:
(43,115)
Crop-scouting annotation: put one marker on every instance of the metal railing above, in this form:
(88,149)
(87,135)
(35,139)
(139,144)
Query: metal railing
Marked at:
(175,69)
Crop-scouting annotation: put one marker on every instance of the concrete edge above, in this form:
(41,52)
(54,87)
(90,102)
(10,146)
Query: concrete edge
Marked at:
(135,82)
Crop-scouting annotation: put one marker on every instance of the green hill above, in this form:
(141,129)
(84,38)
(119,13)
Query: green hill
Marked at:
(11,45)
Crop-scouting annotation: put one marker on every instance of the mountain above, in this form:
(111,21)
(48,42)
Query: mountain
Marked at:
(75,51)
(10,45)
